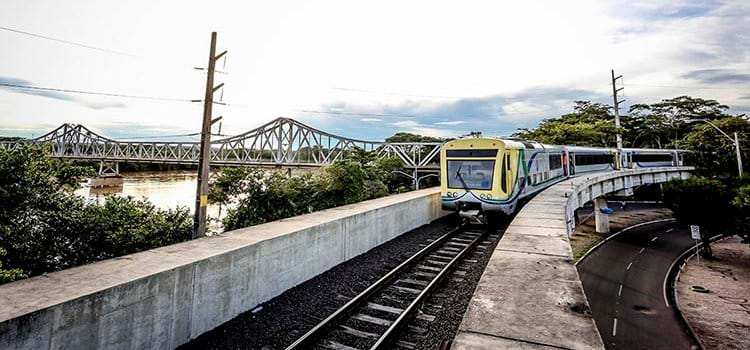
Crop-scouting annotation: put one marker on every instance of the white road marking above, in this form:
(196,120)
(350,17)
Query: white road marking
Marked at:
(655,238)
(629,265)
(641,251)
(670,230)
(619,292)
(614,327)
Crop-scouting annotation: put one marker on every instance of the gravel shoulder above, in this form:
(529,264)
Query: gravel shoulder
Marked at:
(280,321)
(721,317)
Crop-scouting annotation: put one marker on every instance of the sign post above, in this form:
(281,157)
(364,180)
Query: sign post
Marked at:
(695,233)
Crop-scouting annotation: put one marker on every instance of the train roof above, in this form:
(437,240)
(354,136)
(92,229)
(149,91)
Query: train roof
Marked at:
(508,142)
(653,150)
(588,149)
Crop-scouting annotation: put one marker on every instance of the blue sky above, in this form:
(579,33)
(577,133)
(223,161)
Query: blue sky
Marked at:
(364,70)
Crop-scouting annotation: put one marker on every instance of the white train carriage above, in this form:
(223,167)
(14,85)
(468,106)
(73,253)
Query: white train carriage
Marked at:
(591,159)
(631,158)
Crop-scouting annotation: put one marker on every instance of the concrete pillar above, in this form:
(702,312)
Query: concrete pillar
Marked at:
(601,219)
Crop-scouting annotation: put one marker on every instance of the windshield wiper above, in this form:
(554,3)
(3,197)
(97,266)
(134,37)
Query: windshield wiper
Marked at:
(461,178)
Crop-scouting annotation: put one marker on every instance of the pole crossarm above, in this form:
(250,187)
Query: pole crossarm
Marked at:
(282,142)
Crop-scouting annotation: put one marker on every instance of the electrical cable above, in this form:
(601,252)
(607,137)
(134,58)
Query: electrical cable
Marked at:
(28,87)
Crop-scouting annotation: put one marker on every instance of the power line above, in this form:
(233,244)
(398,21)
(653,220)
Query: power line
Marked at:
(90,47)
(683,87)
(14,86)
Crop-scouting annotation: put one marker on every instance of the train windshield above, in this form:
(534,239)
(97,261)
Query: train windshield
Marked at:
(471,174)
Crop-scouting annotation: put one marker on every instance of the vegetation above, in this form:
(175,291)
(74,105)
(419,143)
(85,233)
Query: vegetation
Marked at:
(715,200)
(670,123)
(45,227)
(258,196)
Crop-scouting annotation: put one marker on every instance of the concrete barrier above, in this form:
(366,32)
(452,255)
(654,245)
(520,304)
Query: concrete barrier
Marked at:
(530,296)
(161,298)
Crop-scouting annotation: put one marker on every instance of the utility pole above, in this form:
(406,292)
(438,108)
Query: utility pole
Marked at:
(204,158)
(617,106)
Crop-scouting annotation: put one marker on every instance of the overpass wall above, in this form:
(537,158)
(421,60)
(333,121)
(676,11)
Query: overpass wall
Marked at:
(161,298)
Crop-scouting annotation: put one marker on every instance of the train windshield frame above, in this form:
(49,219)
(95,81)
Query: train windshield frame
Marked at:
(476,174)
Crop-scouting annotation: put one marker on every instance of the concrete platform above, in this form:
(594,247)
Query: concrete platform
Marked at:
(161,298)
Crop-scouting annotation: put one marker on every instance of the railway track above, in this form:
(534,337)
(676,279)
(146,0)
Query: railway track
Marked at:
(374,318)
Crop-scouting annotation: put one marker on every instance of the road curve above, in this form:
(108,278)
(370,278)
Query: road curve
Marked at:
(624,283)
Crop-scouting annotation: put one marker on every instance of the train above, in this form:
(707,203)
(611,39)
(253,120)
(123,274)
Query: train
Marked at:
(485,177)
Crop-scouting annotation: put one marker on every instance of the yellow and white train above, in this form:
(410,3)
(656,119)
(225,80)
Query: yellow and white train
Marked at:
(481,176)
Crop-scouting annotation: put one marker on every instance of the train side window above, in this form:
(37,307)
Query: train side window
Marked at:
(504,174)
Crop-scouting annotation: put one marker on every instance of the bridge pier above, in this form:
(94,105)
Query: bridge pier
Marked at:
(109,168)
(600,218)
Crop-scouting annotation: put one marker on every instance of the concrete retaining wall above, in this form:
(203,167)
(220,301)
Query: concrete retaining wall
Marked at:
(164,297)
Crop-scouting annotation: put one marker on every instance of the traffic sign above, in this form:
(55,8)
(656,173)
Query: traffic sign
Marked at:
(695,232)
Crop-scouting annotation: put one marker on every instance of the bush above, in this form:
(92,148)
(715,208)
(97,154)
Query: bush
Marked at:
(261,197)
(45,227)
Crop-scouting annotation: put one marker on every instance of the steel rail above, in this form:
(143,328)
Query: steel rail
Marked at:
(385,339)
(310,338)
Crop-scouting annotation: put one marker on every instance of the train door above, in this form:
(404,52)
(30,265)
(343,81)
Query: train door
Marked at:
(572,164)
(565,163)
(506,174)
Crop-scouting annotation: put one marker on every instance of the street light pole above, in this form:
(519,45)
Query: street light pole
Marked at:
(737,150)
(735,141)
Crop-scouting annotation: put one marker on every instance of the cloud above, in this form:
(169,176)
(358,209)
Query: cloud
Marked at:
(54,94)
(371,120)
(43,93)
(718,76)
(500,114)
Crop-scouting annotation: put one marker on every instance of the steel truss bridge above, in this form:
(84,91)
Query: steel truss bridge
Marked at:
(282,142)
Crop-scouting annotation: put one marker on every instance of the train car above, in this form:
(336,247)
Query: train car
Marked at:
(483,176)
(591,159)
(632,158)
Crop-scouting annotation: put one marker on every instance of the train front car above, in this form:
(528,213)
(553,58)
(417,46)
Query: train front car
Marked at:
(479,176)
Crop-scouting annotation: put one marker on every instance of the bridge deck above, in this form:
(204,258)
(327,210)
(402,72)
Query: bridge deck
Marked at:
(530,296)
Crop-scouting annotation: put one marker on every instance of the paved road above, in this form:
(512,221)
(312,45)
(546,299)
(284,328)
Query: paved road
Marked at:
(623,280)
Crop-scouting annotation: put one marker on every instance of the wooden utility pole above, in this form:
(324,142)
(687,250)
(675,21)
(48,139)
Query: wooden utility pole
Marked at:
(617,106)
(204,158)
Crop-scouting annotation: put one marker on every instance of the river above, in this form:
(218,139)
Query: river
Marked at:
(165,189)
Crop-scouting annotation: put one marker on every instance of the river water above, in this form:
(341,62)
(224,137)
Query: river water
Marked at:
(165,189)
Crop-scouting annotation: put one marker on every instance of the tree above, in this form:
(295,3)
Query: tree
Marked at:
(409,137)
(712,153)
(662,124)
(45,227)
(590,124)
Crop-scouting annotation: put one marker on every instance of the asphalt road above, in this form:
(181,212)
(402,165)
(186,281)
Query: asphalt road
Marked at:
(624,283)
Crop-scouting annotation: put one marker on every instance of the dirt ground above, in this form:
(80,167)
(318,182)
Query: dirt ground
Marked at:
(721,317)
(585,235)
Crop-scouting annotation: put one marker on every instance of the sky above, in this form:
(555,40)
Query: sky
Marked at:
(360,69)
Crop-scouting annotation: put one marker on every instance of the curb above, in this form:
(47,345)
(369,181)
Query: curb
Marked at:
(681,261)
(617,234)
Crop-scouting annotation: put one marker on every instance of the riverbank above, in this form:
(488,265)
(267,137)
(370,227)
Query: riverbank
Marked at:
(720,318)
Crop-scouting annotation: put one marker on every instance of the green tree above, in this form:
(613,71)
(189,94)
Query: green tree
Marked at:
(590,124)
(711,152)
(663,124)
(45,227)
